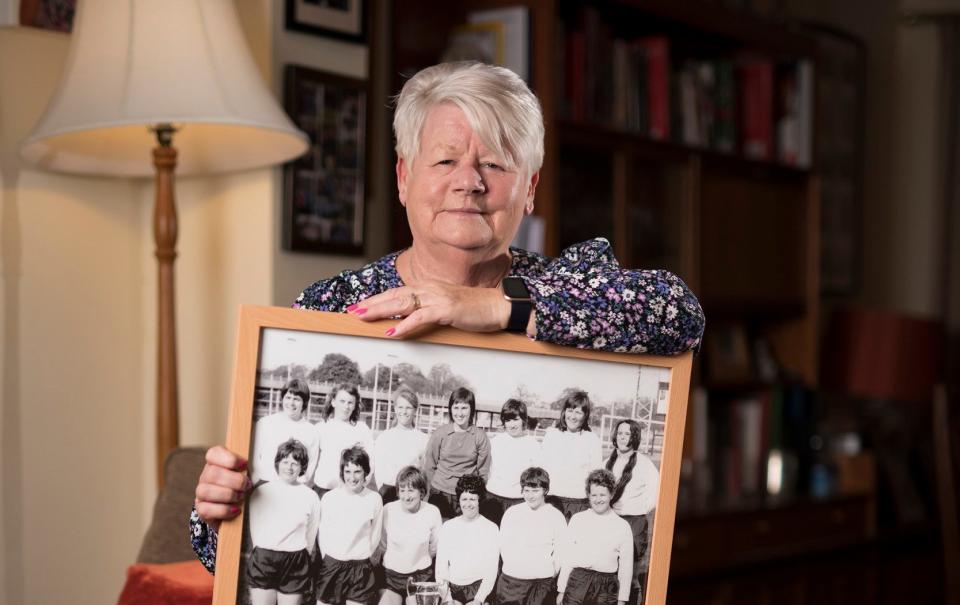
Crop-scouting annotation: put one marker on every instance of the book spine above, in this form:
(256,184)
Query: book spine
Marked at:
(658,86)
(756,115)
(725,102)
(576,58)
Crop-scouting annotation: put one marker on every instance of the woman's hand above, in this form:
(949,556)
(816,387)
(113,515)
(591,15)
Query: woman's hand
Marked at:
(222,486)
(434,303)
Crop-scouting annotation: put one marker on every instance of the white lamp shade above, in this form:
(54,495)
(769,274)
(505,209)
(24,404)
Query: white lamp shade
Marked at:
(134,64)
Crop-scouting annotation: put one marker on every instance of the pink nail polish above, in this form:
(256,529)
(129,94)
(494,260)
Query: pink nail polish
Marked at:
(242,465)
(391,331)
(360,310)
(351,308)
(234,510)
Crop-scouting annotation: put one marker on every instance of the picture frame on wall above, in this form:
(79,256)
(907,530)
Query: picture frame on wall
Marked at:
(324,200)
(54,15)
(330,356)
(340,19)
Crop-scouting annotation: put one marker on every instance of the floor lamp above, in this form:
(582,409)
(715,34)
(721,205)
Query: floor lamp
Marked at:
(153,87)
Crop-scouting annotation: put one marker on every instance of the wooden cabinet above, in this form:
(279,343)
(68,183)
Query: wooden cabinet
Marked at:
(804,552)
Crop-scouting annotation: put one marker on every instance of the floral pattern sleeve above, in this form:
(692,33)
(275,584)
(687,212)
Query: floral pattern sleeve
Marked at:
(585,299)
(204,541)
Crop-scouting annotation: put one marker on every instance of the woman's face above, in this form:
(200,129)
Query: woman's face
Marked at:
(460,414)
(288,469)
(405,412)
(457,193)
(623,438)
(533,496)
(469,505)
(573,417)
(354,477)
(514,427)
(409,497)
(599,498)
(292,405)
(343,405)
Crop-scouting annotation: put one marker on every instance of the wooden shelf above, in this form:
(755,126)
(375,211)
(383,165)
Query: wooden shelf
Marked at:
(601,136)
(744,29)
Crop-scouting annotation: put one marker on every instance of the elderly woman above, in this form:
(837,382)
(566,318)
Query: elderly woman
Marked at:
(470,146)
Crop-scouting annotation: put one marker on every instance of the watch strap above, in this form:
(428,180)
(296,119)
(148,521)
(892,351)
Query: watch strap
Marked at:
(520,309)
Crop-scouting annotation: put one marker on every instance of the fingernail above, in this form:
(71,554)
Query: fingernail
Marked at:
(351,308)
(360,310)
(234,510)
(242,465)
(391,331)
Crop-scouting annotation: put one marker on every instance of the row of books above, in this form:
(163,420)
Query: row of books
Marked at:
(746,104)
(754,445)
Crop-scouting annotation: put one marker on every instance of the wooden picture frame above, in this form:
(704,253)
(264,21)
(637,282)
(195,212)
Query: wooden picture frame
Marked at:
(340,19)
(324,201)
(654,389)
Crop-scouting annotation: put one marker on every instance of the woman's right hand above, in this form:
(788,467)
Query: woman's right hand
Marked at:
(222,486)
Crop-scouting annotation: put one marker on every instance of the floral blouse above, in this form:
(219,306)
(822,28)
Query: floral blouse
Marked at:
(582,299)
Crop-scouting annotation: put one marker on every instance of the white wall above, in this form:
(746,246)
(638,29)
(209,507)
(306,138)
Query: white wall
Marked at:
(72,367)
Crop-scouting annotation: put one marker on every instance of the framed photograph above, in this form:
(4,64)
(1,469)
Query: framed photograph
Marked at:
(342,366)
(325,189)
(56,15)
(341,19)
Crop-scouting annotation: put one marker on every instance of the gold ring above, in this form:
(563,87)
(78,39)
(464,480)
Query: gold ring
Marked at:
(416,301)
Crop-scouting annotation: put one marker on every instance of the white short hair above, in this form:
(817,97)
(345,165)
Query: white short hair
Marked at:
(497,104)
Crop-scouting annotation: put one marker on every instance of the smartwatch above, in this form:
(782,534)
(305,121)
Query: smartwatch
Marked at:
(515,290)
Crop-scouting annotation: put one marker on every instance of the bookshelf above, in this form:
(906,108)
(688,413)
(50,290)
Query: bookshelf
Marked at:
(738,225)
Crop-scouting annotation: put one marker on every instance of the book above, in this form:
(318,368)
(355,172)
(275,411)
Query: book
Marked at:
(657,52)
(689,114)
(640,99)
(724,128)
(756,108)
(575,93)
(788,115)
(805,94)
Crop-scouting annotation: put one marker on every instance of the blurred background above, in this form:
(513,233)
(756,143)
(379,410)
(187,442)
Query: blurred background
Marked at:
(795,161)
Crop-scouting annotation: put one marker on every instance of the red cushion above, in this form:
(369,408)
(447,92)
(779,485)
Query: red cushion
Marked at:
(186,583)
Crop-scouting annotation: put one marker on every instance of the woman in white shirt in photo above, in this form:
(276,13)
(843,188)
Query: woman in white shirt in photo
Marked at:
(342,430)
(411,532)
(400,446)
(349,534)
(569,451)
(511,452)
(635,494)
(290,422)
(284,516)
(596,556)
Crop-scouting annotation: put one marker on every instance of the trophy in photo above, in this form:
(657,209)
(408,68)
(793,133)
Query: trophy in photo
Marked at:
(427,593)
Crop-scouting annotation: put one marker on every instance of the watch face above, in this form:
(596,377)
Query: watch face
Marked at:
(515,288)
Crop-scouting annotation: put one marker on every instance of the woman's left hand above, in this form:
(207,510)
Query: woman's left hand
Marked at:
(433,303)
